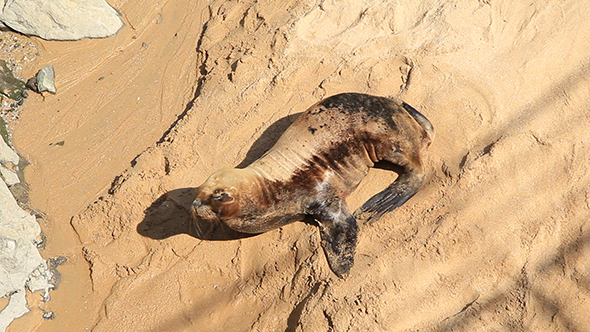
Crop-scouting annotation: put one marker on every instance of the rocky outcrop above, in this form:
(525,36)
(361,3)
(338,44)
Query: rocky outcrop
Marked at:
(8,158)
(21,264)
(61,19)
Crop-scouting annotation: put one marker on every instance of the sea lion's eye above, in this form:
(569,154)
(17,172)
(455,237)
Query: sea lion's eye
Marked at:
(222,196)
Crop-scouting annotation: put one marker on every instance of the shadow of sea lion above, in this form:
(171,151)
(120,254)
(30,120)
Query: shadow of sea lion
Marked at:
(170,213)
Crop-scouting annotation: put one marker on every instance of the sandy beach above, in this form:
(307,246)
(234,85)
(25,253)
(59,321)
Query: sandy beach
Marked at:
(497,239)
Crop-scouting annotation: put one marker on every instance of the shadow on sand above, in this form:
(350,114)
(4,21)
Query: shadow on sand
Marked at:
(170,214)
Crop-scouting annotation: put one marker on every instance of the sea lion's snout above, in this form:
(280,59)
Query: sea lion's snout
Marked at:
(204,219)
(197,203)
(202,212)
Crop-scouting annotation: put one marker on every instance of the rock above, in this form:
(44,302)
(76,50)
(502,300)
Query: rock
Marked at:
(9,177)
(10,86)
(43,81)
(7,154)
(61,19)
(21,263)
(15,309)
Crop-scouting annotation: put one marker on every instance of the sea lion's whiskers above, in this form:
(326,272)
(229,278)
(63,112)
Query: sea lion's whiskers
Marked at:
(198,230)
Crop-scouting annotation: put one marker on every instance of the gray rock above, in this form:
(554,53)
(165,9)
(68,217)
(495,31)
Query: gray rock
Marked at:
(43,81)
(21,264)
(7,154)
(17,306)
(9,177)
(61,19)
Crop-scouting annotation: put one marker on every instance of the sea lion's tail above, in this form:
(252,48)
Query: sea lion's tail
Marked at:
(392,197)
(422,121)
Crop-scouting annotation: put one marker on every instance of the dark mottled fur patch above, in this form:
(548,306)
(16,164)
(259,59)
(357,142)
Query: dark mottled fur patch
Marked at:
(314,170)
(306,178)
(354,103)
(337,158)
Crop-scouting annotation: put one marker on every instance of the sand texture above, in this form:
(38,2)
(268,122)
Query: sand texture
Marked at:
(497,239)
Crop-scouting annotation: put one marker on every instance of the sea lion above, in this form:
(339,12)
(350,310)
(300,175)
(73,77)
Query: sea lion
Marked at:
(317,162)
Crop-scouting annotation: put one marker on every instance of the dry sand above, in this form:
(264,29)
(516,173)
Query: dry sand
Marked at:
(498,239)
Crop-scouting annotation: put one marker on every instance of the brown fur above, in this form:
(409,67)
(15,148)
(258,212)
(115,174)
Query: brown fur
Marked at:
(319,160)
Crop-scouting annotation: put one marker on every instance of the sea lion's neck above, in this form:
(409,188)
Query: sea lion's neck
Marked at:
(279,164)
(260,188)
(257,179)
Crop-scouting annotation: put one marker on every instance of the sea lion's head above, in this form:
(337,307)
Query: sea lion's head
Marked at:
(218,198)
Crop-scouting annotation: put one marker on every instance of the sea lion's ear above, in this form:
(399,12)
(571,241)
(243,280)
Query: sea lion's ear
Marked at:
(338,232)
(222,196)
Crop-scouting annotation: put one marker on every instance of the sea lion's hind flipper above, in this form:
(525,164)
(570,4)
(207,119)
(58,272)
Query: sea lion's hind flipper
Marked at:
(390,198)
(422,121)
(338,233)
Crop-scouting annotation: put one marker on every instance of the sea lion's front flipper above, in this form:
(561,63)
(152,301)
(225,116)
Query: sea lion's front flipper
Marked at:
(338,232)
(390,198)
